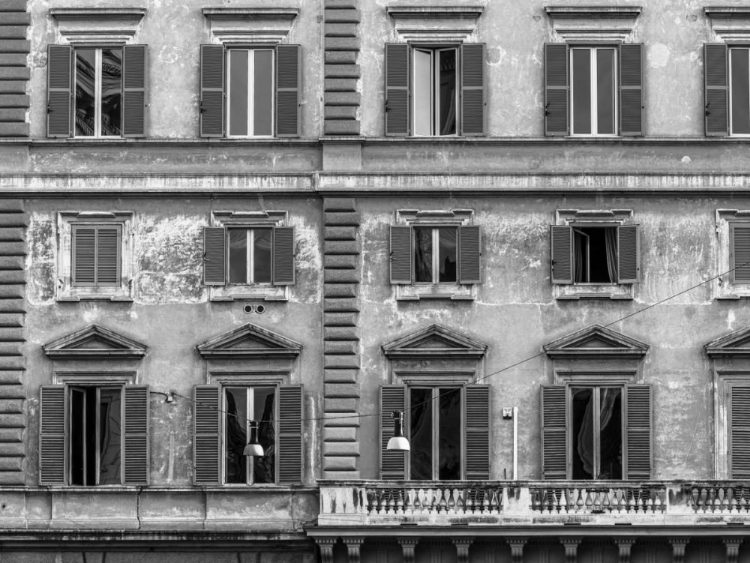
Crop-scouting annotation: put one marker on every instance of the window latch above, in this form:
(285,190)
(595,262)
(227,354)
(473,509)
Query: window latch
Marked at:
(202,109)
(49,109)
(546,111)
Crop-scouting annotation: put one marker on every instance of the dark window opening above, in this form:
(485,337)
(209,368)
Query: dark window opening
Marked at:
(431,267)
(595,254)
(243,404)
(435,433)
(250,256)
(597,433)
(98,92)
(435,90)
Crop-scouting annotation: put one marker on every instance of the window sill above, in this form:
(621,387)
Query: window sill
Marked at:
(435,292)
(79,298)
(622,292)
(222,295)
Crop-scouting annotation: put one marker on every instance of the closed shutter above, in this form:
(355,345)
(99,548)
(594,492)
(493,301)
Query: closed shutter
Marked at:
(472,89)
(628,254)
(401,255)
(52,435)
(214,256)
(136,435)
(288,80)
(108,245)
(561,252)
(740,249)
(396,89)
(84,256)
(739,439)
(59,91)
(554,432)
(716,93)
(206,434)
(283,256)
(289,460)
(212,91)
(469,253)
(477,432)
(631,89)
(96,254)
(638,433)
(392,462)
(134,91)
(556,89)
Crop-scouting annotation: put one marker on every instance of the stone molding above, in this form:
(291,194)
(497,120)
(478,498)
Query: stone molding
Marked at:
(110,345)
(250,25)
(595,341)
(435,23)
(613,24)
(265,344)
(98,25)
(15,71)
(341,69)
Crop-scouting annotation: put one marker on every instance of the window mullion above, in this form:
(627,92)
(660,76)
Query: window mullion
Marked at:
(250,242)
(594,100)
(250,93)
(98,94)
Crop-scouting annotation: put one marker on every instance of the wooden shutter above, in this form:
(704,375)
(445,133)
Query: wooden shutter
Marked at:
(59,90)
(83,255)
(628,254)
(739,428)
(392,462)
(214,256)
(52,435)
(96,255)
(401,255)
(283,256)
(134,91)
(288,80)
(556,89)
(289,460)
(469,253)
(638,432)
(740,251)
(396,89)
(716,89)
(108,245)
(561,252)
(554,432)
(472,89)
(212,91)
(206,434)
(477,432)
(631,89)
(136,452)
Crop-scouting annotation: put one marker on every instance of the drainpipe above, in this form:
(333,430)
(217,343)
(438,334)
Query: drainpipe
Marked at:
(515,443)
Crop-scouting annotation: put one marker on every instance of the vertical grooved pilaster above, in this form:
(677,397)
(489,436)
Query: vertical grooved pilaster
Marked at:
(341,67)
(14,69)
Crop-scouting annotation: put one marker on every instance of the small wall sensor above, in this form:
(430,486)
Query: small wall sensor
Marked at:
(507,412)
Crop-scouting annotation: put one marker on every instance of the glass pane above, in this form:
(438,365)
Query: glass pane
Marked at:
(447,92)
(235,435)
(111,92)
(605,91)
(420,434)
(263,94)
(85,111)
(449,428)
(740,92)
(581,91)
(237,255)
(238,92)
(262,256)
(423,254)
(610,433)
(447,253)
(583,433)
(77,436)
(110,436)
(263,411)
(422,92)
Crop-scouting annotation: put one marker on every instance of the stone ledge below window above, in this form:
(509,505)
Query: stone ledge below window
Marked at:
(594,291)
(435,292)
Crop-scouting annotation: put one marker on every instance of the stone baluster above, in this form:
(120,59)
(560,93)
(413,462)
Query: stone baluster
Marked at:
(326,549)
(623,546)
(409,504)
(469,504)
(516,548)
(606,505)
(733,549)
(580,504)
(400,502)
(485,503)
(571,549)
(703,499)
(678,549)
(353,548)
(408,545)
(443,500)
(589,502)
(563,502)
(462,549)
(451,504)
(494,502)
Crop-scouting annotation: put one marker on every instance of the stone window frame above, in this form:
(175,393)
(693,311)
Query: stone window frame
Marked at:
(723,286)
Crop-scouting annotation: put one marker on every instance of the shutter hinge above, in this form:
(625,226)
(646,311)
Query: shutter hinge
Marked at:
(202,109)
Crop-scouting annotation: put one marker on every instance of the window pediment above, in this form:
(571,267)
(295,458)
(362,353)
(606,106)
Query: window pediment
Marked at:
(250,25)
(249,341)
(435,23)
(729,23)
(735,344)
(593,23)
(95,342)
(435,341)
(97,25)
(596,341)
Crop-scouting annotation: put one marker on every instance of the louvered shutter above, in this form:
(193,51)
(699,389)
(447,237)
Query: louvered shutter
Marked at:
(206,434)
(392,462)
(108,245)
(716,89)
(136,452)
(631,89)
(561,252)
(134,90)
(740,250)
(59,90)
(554,432)
(628,254)
(214,256)
(638,432)
(401,255)
(283,256)
(477,432)
(52,435)
(472,89)
(84,255)
(288,81)
(556,89)
(739,438)
(212,91)
(396,89)
(289,460)
(469,253)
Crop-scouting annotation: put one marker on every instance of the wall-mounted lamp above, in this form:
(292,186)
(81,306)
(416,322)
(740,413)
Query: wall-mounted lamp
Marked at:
(170,397)
(253,448)
(398,441)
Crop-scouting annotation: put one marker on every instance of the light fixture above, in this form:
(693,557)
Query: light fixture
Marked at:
(170,397)
(398,441)
(253,448)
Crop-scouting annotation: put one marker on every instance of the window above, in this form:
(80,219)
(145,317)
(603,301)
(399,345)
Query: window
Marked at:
(241,405)
(250,255)
(593,92)
(727,89)
(96,255)
(98,92)
(596,423)
(733,250)
(250,92)
(435,91)
(435,250)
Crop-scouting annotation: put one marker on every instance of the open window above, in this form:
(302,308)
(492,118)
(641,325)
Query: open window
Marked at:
(727,89)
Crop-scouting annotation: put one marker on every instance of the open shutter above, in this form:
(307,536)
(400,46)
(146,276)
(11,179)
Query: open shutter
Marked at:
(638,433)
(289,460)
(477,432)
(561,252)
(392,462)
(136,439)
(556,89)
(212,91)
(397,89)
(739,427)
(401,255)
(631,89)
(283,256)
(716,95)
(134,91)
(108,245)
(628,254)
(554,432)
(288,80)
(52,435)
(469,252)
(206,434)
(59,95)
(740,249)
(472,89)
(214,256)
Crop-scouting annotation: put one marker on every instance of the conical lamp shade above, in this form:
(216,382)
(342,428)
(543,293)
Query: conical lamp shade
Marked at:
(253,448)
(398,442)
